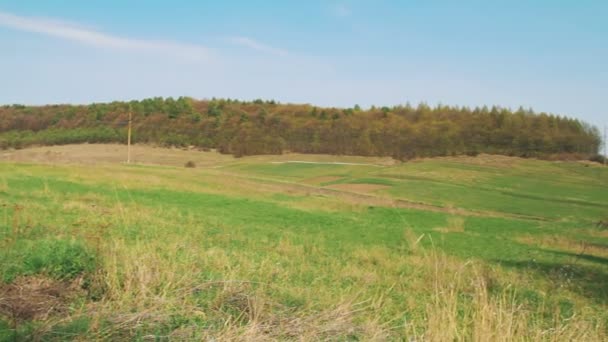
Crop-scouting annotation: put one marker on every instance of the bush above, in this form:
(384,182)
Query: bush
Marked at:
(598,158)
(190,164)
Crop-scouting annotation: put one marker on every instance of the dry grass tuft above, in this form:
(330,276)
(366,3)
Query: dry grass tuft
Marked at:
(462,307)
(411,241)
(455,224)
(37,297)
(337,323)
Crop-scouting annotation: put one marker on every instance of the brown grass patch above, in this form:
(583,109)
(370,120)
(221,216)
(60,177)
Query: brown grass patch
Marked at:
(577,247)
(455,224)
(597,233)
(37,297)
(95,154)
(337,323)
(362,188)
(483,159)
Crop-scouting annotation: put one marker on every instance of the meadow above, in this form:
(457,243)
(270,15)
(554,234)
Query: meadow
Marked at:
(299,247)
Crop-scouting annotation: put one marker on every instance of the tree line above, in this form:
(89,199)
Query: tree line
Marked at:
(268,127)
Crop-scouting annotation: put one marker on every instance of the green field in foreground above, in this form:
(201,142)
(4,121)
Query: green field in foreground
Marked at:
(260,248)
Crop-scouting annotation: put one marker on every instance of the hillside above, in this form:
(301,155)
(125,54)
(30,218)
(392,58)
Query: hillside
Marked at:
(299,247)
(266,127)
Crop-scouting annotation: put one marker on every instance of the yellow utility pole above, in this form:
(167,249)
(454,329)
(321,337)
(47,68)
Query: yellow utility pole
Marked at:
(129,139)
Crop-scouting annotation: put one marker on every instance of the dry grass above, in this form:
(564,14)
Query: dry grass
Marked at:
(561,243)
(320,179)
(321,158)
(147,284)
(359,188)
(462,308)
(166,273)
(493,160)
(455,224)
(37,298)
(94,154)
(154,288)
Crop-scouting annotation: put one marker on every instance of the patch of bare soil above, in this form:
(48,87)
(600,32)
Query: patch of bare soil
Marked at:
(361,188)
(37,297)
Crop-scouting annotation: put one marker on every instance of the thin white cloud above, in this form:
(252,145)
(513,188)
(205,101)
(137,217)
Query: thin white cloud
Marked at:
(68,31)
(254,44)
(341,10)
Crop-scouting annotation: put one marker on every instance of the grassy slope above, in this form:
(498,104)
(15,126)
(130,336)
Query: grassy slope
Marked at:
(239,247)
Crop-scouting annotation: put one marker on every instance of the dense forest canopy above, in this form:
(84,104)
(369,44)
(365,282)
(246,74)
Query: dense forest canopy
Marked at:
(267,127)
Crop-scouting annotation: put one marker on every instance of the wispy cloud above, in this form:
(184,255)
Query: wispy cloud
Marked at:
(341,10)
(256,45)
(69,31)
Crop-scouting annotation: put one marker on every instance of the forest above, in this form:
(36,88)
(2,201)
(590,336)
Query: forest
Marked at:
(268,127)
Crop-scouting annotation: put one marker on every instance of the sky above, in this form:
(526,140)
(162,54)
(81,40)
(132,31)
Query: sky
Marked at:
(550,55)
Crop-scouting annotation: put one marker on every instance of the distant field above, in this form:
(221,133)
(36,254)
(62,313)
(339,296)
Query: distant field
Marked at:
(310,247)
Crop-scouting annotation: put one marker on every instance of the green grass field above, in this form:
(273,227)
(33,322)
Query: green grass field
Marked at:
(259,248)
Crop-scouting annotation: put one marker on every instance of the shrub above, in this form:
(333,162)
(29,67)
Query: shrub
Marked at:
(598,158)
(190,164)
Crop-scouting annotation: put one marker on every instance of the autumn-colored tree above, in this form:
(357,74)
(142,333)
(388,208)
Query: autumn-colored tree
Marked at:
(259,127)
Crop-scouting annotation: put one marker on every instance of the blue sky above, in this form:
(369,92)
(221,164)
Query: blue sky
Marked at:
(548,55)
